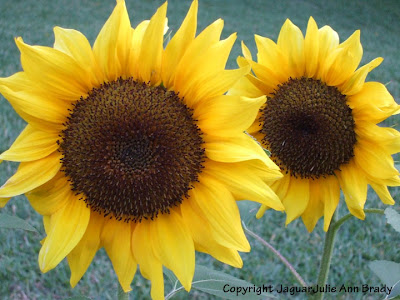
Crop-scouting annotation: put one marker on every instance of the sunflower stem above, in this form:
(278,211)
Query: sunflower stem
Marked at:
(347,217)
(278,254)
(121,294)
(328,246)
(326,256)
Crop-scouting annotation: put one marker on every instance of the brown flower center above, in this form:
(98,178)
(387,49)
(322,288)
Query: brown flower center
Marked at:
(131,150)
(308,128)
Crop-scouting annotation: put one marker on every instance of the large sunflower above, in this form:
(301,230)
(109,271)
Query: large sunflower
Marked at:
(319,121)
(135,148)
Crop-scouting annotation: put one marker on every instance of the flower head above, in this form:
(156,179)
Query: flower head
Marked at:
(319,121)
(136,148)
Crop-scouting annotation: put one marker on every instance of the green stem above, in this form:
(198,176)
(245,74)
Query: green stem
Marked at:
(349,216)
(278,254)
(326,256)
(121,294)
(328,246)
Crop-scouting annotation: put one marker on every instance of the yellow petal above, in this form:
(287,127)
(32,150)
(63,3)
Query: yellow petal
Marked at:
(330,191)
(254,129)
(38,106)
(263,208)
(173,244)
(383,193)
(116,237)
(244,183)
(111,48)
(3,201)
(373,103)
(241,148)
(244,87)
(227,115)
(291,43)
(46,225)
(311,48)
(296,198)
(150,266)
(281,187)
(345,61)
(51,196)
(354,185)
(31,175)
(67,226)
(386,137)
(216,85)
(136,48)
(355,83)
(219,207)
(270,55)
(150,56)
(268,76)
(76,45)
(40,124)
(30,145)
(188,65)
(265,87)
(82,255)
(375,162)
(328,40)
(203,240)
(178,45)
(315,207)
(246,52)
(206,75)
(54,71)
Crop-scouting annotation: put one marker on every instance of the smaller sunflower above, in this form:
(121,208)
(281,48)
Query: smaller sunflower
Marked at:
(320,121)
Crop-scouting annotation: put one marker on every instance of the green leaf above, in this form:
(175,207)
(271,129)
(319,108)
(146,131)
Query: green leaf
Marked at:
(248,210)
(387,271)
(226,286)
(393,218)
(395,293)
(170,275)
(78,298)
(7,221)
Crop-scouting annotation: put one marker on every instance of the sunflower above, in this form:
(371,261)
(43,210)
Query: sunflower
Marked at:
(136,148)
(319,121)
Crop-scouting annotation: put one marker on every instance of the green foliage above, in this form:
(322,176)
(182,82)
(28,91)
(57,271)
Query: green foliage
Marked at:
(393,218)
(219,284)
(11,222)
(389,271)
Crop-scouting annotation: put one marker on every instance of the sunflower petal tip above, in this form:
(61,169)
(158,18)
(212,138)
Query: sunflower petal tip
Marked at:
(4,201)
(73,281)
(163,8)
(18,40)
(288,22)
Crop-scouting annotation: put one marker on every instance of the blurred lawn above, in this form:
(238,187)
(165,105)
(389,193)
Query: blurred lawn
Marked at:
(358,242)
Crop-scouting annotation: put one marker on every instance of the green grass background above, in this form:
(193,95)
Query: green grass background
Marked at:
(357,243)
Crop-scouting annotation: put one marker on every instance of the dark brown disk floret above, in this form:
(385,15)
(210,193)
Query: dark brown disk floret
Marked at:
(131,150)
(308,128)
